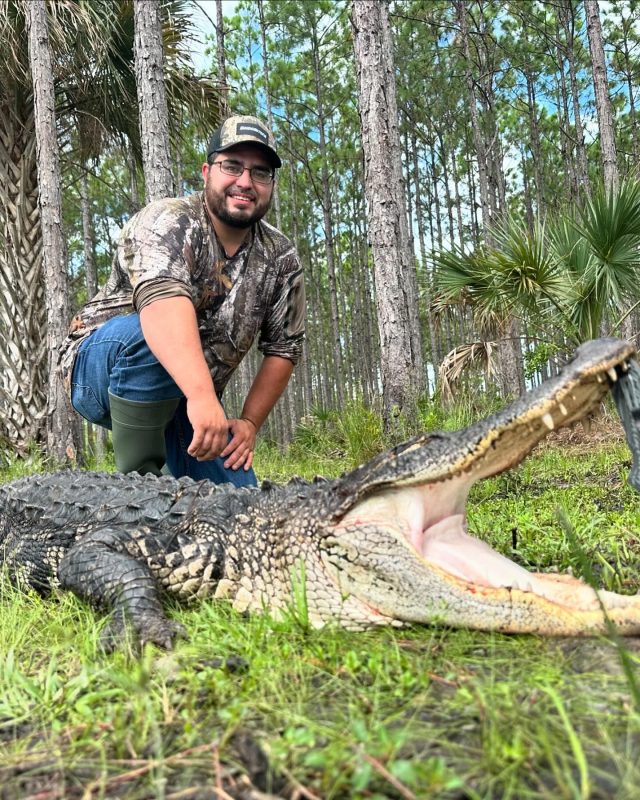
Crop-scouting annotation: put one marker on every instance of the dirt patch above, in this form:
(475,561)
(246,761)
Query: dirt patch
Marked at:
(604,429)
(205,772)
(596,655)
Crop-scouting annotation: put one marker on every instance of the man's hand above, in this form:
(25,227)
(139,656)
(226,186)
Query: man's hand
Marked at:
(210,427)
(171,330)
(239,451)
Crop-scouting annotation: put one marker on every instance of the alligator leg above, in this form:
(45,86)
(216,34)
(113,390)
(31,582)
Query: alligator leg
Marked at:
(100,570)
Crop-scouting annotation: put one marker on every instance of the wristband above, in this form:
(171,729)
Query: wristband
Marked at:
(246,419)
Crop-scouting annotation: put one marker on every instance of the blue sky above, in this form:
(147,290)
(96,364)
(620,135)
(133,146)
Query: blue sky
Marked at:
(203,19)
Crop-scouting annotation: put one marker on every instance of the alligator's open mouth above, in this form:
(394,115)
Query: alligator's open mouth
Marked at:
(425,505)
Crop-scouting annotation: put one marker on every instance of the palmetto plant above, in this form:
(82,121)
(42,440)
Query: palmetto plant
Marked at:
(499,282)
(573,276)
(96,104)
(599,249)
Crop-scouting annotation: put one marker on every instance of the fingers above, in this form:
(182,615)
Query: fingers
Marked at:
(211,437)
(241,457)
(239,451)
(207,444)
(210,428)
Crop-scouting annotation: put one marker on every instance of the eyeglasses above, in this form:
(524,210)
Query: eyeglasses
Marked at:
(258,174)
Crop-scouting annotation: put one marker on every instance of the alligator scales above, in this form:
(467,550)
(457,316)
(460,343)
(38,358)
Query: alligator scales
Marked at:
(385,544)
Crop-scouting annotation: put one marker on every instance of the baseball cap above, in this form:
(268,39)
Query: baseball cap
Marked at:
(240,129)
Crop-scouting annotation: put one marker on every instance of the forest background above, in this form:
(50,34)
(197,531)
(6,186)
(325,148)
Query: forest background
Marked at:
(517,143)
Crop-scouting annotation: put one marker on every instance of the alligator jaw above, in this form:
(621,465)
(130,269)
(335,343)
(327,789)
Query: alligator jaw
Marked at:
(499,441)
(409,533)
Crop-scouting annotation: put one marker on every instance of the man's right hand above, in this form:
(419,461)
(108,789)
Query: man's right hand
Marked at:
(171,330)
(210,427)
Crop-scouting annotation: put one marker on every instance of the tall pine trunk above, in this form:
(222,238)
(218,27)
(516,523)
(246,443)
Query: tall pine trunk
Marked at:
(478,138)
(603,101)
(567,15)
(327,217)
(62,444)
(152,100)
(395,275)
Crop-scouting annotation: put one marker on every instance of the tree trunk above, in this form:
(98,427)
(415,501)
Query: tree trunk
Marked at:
(426,288)
(152,100)
(629,79)
(91,275)
(96,434)
(267,94)
(395,276)
(478,139)
(307,399)
(61,443)
(457,199)
(447,186)
(327,218)
(23,315)
(563,117)
(534,144)
(603,102)
(222,67)
(582,170)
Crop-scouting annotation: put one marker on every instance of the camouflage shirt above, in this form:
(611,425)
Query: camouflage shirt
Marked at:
(170,249)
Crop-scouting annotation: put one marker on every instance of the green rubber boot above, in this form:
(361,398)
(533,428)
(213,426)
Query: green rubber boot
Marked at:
(138,433)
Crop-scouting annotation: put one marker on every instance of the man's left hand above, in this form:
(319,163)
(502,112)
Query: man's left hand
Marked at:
(239,451)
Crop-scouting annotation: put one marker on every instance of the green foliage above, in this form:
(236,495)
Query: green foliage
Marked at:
(348,438)
(610,225)
(581,269)
(537,358)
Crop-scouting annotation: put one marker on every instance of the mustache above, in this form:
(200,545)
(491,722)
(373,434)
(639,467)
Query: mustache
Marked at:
(238,193)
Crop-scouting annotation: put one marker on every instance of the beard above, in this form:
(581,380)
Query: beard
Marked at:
(235,217)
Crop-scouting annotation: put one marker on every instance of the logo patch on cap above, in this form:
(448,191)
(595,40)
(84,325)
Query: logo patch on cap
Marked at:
(246,129)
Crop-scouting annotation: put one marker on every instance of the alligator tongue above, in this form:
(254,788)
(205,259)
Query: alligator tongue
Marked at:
(626,393)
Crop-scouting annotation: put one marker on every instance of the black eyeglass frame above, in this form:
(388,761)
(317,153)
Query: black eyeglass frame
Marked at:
(239,168)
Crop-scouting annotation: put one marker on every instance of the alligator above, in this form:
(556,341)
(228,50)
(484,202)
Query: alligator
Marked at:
(385,544)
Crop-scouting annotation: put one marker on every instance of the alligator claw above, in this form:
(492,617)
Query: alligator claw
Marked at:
(161,632)
(149,629)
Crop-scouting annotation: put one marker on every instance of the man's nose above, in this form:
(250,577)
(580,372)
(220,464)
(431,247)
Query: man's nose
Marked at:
(244,181)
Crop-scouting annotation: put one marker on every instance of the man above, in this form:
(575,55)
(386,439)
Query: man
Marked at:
(193,282)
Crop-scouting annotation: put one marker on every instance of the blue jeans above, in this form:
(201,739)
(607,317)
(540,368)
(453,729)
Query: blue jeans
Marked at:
(117,359)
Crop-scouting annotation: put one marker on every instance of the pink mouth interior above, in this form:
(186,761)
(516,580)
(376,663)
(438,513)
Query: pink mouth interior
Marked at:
(431,519)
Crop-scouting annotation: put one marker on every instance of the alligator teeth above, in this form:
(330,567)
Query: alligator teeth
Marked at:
(612,374)
(563,409)
(600,377)
(625,366)
(548,421)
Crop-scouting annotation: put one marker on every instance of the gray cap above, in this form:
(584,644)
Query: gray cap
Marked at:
(241,130)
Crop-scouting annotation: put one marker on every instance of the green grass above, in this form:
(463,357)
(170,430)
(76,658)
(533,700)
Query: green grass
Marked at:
(420,712)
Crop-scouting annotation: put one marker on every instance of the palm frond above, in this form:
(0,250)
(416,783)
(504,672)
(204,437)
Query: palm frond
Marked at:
(14,49)
(598,247)
(526,268)
(610,223)
(463,358)
(518,271)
